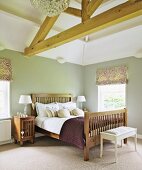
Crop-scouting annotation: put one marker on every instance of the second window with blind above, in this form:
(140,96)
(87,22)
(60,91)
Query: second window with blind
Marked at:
(111,88)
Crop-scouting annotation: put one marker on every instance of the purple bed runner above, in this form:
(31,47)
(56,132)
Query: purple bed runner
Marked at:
(72,132)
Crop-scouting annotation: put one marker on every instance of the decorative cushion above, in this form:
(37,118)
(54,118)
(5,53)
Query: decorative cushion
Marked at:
(68,105)
(41,108)
(77,112)
(63,113)
(50,113)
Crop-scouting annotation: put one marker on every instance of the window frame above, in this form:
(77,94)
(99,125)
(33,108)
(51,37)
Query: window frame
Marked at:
(99,98)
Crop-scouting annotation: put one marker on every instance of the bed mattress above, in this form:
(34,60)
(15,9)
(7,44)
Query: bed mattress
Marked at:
(53,124)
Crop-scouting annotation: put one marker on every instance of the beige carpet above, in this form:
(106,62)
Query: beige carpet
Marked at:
(51,154)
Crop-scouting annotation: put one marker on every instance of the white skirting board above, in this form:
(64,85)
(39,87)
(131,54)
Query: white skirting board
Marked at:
(7,142)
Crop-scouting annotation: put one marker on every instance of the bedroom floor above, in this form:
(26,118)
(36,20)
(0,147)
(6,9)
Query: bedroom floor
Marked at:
(51,154)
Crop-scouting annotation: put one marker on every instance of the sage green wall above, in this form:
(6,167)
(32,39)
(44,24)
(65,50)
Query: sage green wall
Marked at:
(38,74)
(134,88)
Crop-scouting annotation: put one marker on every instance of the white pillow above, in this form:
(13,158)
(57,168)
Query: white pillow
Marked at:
(41,108)
(77,112)
(52,106)
(63,113)
(68,105)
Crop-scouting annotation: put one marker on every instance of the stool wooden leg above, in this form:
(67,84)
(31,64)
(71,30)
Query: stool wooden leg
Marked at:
(135,142)
(115,150)
(101,149)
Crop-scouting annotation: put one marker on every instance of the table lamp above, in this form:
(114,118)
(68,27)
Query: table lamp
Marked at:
(25,99)
(81,99)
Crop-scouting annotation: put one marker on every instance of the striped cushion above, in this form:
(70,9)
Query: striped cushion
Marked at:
(50,113)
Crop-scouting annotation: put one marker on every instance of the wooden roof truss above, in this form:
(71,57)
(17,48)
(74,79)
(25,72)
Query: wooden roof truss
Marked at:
(120,13)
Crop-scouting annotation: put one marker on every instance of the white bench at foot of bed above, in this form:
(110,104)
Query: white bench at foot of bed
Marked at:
(118,134)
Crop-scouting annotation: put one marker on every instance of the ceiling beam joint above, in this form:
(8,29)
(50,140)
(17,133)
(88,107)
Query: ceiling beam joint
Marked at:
(93,6)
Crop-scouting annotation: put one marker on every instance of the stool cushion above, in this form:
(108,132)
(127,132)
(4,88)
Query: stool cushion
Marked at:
(120,130)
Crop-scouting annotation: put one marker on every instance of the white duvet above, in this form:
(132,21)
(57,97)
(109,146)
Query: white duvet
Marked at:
(53,124)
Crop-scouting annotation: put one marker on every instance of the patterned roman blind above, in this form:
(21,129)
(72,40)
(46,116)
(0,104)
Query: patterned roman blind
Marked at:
(5,69)
(112,75)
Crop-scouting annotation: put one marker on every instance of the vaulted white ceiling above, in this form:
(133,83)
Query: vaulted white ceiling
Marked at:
(19,22)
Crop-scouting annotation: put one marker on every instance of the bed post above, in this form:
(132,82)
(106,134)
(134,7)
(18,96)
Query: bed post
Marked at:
(86,133)
(33,110)
(125,124)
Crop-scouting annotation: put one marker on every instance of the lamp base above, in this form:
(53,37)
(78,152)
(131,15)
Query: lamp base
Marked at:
(81,105)
(25,109)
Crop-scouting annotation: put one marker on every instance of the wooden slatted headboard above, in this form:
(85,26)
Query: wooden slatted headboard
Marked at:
(48,98)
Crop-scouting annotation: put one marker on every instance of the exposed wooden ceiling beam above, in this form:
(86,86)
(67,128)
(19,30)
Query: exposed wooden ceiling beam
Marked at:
(93,5)
(73,11)
(84,12)
(113,16)
(44,29)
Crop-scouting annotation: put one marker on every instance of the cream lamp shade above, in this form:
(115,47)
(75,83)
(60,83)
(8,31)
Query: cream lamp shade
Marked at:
(81,99)
(25,99)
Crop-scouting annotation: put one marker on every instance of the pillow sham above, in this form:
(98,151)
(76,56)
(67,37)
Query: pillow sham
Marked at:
(68,105)
(77,112)
(63,113)
(41,108)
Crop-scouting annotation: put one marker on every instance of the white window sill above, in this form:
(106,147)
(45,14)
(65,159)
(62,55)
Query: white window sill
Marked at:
(5,118)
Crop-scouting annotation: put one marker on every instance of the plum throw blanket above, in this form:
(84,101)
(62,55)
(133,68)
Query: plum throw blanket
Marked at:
(72,132)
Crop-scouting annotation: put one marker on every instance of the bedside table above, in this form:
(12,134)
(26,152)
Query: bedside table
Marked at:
(24,129)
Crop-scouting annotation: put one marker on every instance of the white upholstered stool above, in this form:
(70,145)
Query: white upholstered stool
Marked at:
(118,134)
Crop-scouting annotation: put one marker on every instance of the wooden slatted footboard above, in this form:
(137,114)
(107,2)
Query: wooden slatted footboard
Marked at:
(94,123)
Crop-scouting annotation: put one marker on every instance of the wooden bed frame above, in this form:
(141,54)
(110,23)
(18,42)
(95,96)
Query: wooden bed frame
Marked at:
(94,123)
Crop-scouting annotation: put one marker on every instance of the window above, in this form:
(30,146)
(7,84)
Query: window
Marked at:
(111,97)
(4,99)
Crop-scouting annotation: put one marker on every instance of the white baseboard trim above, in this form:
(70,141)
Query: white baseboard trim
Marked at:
(6,142)
(139,136)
